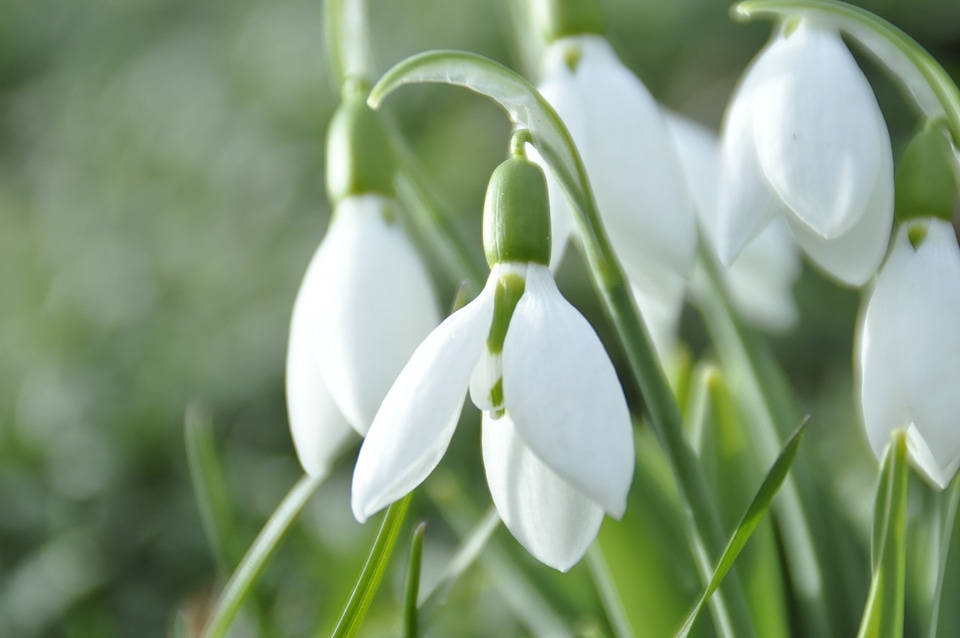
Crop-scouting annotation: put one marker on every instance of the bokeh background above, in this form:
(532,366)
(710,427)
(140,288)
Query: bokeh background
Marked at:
(161,191)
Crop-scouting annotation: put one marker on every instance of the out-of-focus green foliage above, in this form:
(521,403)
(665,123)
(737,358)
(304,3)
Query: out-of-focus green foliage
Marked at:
(161,191)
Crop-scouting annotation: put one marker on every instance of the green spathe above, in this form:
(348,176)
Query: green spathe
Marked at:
(359,157)
(925,185)
(564,18)
(516,214)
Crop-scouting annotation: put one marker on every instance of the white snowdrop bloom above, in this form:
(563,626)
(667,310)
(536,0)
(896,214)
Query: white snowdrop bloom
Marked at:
(909,349)
(557,436)
(760,281)
(632,166)
(803,137)
(365,304)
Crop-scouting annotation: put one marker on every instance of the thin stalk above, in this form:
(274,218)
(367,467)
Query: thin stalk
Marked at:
(609,595)
(241,582)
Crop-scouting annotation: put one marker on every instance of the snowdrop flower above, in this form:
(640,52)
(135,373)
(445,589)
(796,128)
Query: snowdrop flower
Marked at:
(557,439)
(909,349)
(365,302)
(803,137)
(633,168)
(760,282)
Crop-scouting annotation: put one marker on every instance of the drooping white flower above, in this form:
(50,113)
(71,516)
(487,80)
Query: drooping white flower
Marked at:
(557,438)
(909,349)
(760,281)
(803,137)
(633,168)
(365,303)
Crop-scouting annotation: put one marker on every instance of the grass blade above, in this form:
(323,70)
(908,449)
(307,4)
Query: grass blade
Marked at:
(412,589)
(241,582)
(883,613)
(607,589)
(758,507)
(210,488)
(372,573)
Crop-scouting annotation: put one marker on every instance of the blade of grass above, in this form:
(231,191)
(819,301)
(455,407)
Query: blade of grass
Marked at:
(883,613)
(609,595)
(372,573)
(241,582)
(751,518)
(210,488)
(412,589)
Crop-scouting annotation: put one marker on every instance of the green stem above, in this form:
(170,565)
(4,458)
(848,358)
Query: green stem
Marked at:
(609,595)
(241,583)
(369,581)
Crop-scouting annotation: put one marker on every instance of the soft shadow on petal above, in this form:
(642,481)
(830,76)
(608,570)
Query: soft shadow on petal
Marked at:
(416,421)
(564,396)
(377,303)
(819,131)
(853,258)
(745,201)
(553,521)
(929,346)
(632,164)
(880,329)
(318,428)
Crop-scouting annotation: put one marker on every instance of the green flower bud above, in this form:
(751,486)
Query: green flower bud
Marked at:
(564,18)
(925,184)
(359,157)
(516,214)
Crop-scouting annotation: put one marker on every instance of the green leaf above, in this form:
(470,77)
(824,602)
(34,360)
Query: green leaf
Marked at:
(369,581)
(243,578)
(210,488)
(751,518)
(924,80)
(883,613)
(412,589)
(946,617)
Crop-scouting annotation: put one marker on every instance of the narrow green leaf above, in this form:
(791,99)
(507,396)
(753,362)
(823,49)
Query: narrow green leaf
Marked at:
(946,614)
(356,609)
(925,81)
(241,582)
(412,590)
(881,508)
(612,603)
(751,518)
(883,613)
(210,487)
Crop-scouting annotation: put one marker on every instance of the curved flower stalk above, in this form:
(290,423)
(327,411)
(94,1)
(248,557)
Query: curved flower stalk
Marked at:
(909,349)
(620,133)
(803,137)
(365,302)
(557,437)
(761,280)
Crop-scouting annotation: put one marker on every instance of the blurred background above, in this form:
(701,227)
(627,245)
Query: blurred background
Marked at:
(161,191)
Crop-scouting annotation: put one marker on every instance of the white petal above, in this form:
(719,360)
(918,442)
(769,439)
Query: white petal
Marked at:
(376,305)
(319,430)
(660,308)
(819,132)
(630,160)
(745,201)
(760,281)
(553,521)
(910,352)
(881,396)
(929,345)
(416,421)
(564,397)
(854,257)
